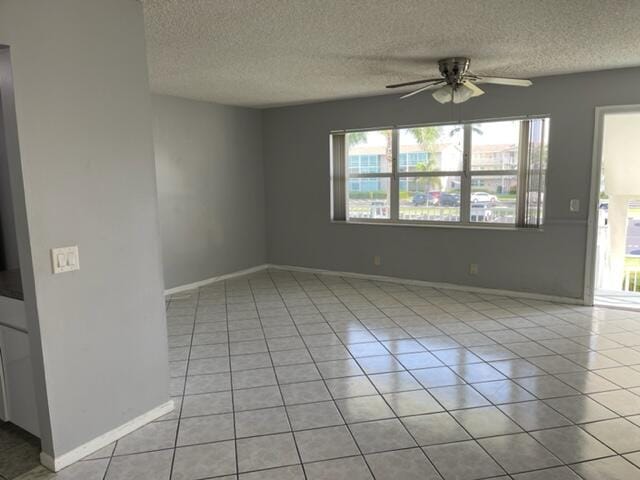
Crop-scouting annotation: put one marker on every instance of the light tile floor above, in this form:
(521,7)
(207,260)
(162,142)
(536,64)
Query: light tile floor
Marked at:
(617,299)
(284,375)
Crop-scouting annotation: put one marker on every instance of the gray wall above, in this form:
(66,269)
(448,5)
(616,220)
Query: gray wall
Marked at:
(83,113)
(210,188)
(299,232)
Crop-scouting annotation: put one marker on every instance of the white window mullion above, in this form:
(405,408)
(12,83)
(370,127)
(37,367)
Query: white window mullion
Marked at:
(436,173)
(465,183)
(494,173)
(395,178)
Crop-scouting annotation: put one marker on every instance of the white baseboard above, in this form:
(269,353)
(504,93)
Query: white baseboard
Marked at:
(219,278)
(423,283)
(59,462)
(382,278)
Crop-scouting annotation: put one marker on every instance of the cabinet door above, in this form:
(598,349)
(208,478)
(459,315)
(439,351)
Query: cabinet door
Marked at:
(20,394)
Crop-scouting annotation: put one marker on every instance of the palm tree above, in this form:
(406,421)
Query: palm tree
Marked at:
(354,138)
(474,128)
(427,138)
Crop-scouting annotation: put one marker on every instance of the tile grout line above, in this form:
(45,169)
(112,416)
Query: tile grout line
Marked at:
(471,437)
(376,389)
(322,379)
(233,406)
(484,437)
(184,386)
(382,396)
(571,423)
(284,407)
(506,327)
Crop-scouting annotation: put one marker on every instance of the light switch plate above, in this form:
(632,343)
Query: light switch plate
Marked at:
(574,205)
(65,259)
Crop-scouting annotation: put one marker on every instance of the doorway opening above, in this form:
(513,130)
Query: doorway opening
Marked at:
(615,216)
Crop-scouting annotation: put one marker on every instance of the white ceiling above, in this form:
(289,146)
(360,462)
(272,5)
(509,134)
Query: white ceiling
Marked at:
(275,52)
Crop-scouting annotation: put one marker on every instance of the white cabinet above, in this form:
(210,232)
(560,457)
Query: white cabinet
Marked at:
(17,394)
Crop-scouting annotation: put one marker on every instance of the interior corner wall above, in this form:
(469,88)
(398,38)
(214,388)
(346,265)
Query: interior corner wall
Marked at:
(551,261)
(84,125)
(210,180)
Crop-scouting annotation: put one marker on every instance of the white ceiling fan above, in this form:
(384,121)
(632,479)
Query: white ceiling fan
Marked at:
(458,84)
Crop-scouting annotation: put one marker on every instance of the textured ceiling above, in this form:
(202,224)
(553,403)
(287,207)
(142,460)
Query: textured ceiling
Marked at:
(275,52)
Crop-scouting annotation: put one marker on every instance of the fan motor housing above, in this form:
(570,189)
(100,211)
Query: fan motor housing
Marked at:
(453,69)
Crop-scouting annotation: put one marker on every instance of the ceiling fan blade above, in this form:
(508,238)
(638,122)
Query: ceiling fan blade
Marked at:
(512,82)
(417,82)
(477,91)
(428,87)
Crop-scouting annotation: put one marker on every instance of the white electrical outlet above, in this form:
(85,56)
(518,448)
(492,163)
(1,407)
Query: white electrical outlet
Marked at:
(377,261)
(473,269)
(65,259)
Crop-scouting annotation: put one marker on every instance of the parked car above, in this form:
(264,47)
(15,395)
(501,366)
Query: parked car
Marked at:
(436,198)
(449,200)
(430,198)
(419,199)
(484,197)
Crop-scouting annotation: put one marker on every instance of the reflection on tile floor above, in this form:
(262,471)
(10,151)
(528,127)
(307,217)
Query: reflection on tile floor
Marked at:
(617,299)
(284,375)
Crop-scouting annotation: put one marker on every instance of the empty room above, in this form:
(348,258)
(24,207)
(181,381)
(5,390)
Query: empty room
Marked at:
(319,240)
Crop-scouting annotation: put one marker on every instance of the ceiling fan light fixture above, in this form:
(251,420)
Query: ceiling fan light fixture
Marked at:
(443,94)
(460,82)
(462,93)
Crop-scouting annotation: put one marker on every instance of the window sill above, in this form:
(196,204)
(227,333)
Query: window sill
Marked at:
(508,228)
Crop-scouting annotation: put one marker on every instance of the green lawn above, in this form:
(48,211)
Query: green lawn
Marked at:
(633,262)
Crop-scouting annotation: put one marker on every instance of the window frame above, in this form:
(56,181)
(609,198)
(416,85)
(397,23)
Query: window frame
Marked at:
(377,175)
(342,215)
(521,162)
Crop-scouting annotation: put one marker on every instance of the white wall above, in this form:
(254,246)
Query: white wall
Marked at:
(210,188)
(83,112)
(621,153)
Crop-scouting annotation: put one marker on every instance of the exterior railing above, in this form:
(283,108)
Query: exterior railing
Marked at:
(631,279)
